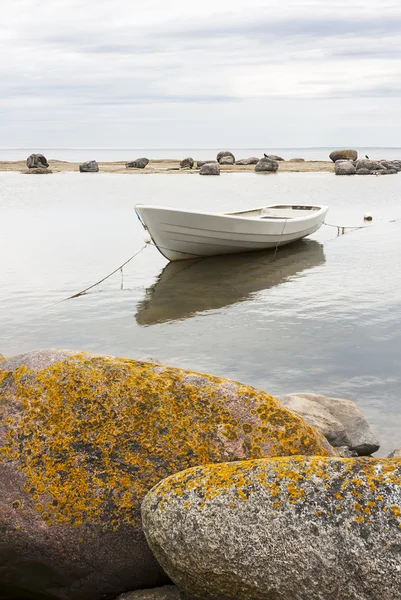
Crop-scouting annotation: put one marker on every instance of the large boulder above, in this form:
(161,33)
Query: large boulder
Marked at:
(225,154)
(91,166)
(247,161)
(187,163)
(371,165)
(344,167)
(210,168)
(227,160)
(139,163)
(289,528)
(84,437)
(200,163)
(343,155)
(266,165)
(36,161)
(339,420)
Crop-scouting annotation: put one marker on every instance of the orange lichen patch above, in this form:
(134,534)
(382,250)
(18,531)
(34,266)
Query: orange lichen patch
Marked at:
(93,434)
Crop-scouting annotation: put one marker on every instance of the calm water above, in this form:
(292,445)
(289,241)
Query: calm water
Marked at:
(324,316)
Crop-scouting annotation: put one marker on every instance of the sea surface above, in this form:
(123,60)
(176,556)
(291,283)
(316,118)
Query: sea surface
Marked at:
(323,316)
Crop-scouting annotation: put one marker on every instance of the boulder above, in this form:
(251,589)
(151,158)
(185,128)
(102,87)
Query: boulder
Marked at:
(344,167)
(187,163)
(390,164)
(343,154)
(296,160)
(288,528)
(395,453)
(388,172)
(139,163)
(273,157)
(265,164)
(210,169)
(84,437)
(371,165)
(165,592)
(247,161)
(227,160)
(363,172)
(200,163)
(339,420)
(36,161)
(89,167)
(224,154)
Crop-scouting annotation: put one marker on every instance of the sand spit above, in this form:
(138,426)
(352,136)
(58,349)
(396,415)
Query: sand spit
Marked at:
(169,166)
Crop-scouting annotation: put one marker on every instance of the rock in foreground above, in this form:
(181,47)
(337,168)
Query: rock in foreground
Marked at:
(84,437)
(344,167)
(36,161)
(281,529)
(89,167)
(210,168)
(343,155)
(266,165)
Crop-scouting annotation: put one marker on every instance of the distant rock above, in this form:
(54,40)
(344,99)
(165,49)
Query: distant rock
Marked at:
(187,163)
(223,155)
(296,160)
(89,167)
(36,161)
(340,421)
(139,163)
(247,161)
(395,453)
(200,163)
(227,160)
(273,157)
(210,169)
(343,154)
(292,528)
(266,165)
(38,171)
(166,592)
(344,167)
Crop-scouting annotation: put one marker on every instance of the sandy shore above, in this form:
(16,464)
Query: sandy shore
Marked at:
(171,166)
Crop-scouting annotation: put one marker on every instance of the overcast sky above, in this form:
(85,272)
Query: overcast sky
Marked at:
(193,74)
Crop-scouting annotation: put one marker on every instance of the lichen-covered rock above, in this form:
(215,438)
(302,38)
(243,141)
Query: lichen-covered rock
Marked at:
(343,155)
(225,154)
(344,167)
(247,161)
(187,163)
(91,166)
(210,169)
(84,437)
(266,165)
(139,163)
(37,161)
(289,528)
(339,420)
(165,592)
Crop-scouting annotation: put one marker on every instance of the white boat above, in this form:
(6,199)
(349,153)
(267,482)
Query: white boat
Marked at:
(182,234)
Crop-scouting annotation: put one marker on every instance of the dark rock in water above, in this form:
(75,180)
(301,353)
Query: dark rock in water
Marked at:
(139,163)
(35,171)
(210,169)
(82,440)
(344,167)
(395,453)
(187,163)
(89,167)
(363,172)
(292,528)
(273,157)
(200,163)
(247,161)
(266,165)
(296,160)
(227,160)
(343,155)
(36,161)
(166,592)
(223,155)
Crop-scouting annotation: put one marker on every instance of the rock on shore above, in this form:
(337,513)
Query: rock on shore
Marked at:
(187,163)
(290,528)
(84,437)
(139,163)
(37,161)
(266,165)
(247,161)
(225,158)
(210,168)
(343,155)
(89,167)
(344,167)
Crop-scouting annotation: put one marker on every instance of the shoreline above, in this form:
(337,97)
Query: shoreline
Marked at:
(170,166)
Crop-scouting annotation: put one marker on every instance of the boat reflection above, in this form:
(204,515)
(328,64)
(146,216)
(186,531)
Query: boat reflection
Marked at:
(188,287)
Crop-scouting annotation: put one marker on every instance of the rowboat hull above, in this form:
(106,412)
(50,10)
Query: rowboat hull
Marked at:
(182,235)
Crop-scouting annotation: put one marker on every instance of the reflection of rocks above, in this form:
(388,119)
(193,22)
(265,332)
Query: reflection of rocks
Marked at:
(210,169)
(344,167)
(89,167)
(343,155)
(187,163)
(340,421)
(185,288)
(139,163)
(225,155)
(247,161)
(303,528)
(266,165)
(82,440)
(36,161)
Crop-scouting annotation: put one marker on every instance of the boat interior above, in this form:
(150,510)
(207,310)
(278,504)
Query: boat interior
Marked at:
(279,211)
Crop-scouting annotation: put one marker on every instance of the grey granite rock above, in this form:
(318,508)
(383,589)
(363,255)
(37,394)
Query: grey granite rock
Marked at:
(296,160)
(274,157)
(227,160)
(210,169)
(363,171)
(139,163)
(36,161)
(247,161)
(346,154)
(280,529)
(266,165)
(371,165)
(200,163)
(344,167)
(187,163)
(89,167)
(224,154)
